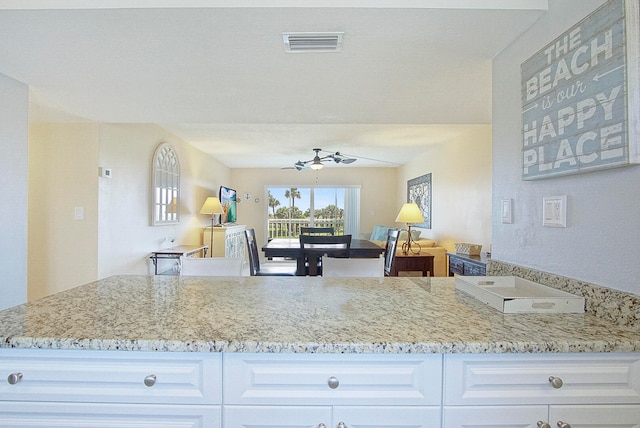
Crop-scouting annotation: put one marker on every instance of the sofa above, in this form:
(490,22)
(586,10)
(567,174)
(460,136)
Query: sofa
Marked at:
(427,246)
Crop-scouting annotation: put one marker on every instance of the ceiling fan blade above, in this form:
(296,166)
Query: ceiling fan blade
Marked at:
(354,158)
(340,158)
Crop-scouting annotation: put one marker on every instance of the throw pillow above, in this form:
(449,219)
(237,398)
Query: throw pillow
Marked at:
(379,233)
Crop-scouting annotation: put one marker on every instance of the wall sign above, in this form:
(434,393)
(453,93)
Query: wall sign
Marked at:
(419,191)
(580,96)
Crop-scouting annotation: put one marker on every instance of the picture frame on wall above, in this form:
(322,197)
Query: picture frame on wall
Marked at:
(580,108)
(419,191)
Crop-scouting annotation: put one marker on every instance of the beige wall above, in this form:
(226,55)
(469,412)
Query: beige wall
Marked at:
(63,175)
(377,194)
(461,188)
(126,236)
(116,235)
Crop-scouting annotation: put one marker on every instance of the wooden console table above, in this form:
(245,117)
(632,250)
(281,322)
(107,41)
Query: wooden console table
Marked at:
(412,265)
(176,253)
(463,264)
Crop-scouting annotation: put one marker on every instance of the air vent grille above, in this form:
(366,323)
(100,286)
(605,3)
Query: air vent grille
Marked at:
(312,42)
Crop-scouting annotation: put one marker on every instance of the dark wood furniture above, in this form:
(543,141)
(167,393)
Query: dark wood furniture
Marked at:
(315,246)
(175,253)
(254,260)
(290,247)
(390,250)
(317,231)
(463,264)
(412,265)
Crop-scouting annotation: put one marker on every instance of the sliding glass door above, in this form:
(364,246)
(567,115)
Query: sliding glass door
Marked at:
(290,208)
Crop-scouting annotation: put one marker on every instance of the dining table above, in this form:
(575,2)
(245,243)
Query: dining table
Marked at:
(290,248)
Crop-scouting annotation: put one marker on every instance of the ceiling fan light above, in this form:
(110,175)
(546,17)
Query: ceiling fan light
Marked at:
(316,165)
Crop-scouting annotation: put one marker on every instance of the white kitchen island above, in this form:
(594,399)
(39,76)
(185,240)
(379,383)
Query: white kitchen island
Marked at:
(153,351)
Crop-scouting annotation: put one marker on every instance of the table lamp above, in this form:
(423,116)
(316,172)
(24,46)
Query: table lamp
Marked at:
(212,206)
(410,213)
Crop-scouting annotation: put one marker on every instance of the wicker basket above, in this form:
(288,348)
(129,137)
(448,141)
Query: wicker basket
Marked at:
(469,249)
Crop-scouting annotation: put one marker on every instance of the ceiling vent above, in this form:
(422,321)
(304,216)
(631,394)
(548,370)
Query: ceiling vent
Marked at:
(312,42)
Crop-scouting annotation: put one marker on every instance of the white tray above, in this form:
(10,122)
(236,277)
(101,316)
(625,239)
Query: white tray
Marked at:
(512,295)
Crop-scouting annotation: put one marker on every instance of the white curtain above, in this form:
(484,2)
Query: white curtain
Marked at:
(352,211)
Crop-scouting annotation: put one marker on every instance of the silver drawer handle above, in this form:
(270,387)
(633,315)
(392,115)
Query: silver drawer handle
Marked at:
(563,425)
(543,425)
(14,378)
(321,426)
(556,382)
(333,383)
(343,425)
(150,380)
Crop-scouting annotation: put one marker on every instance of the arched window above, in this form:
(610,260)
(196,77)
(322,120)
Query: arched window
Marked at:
(165,207)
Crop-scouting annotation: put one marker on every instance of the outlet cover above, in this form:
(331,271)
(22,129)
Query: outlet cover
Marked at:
(554,211)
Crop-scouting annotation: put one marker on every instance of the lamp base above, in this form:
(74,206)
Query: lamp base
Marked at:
(410,246)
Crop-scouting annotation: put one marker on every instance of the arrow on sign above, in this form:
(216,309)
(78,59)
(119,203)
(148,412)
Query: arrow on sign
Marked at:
(598,76)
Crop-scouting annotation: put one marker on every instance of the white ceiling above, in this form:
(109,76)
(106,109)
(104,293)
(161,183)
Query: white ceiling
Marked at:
(215,73)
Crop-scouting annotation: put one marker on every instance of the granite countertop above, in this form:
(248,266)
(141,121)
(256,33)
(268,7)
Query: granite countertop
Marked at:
(294,314)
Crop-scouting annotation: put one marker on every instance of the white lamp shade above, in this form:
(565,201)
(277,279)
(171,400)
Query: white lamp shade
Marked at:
(410,213)
(211,206)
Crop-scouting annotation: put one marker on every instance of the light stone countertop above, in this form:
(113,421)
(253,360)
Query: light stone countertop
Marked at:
(296,314)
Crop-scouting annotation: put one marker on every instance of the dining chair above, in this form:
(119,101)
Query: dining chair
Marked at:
(390,250)
(352,268)
(317,231)
(313,247)
(255,269)
(211,266)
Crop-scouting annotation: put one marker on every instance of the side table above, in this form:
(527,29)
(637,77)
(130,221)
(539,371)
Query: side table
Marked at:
(176,253)
(411,265)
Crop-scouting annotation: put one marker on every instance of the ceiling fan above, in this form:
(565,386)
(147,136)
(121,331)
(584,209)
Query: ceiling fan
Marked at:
(316,162)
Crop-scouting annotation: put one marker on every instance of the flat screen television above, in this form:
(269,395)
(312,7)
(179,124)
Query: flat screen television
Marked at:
(229,205)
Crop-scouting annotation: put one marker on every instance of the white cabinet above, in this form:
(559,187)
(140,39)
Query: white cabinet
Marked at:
(577,416)
(520,390)
(297,390)
(101,415)
(63,388)
(494,416)
(109,388)
(228,241)
(331,416)
(601,416)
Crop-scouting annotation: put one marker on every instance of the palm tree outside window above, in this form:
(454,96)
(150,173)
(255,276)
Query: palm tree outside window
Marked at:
(291,208)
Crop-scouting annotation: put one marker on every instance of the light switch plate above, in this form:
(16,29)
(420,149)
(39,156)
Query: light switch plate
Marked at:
(554,211)
(78,213)
(507,210)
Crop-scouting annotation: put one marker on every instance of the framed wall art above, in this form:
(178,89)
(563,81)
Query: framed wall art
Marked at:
(580,96)
(419,191)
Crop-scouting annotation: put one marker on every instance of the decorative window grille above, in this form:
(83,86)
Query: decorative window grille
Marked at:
(166,186)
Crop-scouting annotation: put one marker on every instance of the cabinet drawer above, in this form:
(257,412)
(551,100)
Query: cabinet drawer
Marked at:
(525,379)
(332,379)
(110,376)
(474,270)
(456,266)
(65,415)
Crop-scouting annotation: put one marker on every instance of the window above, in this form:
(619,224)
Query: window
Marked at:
(165,206)
(291,208)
